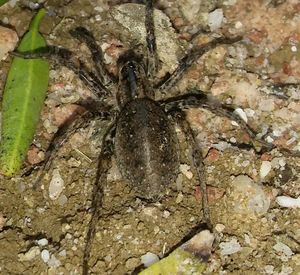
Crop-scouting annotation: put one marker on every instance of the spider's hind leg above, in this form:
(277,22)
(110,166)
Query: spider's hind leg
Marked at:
(197,158)
(198,99)
(104,164)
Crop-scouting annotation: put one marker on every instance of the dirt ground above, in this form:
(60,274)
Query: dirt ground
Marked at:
(44,233)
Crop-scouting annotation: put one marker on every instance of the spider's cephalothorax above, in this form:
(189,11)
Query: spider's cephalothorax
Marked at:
(145,140)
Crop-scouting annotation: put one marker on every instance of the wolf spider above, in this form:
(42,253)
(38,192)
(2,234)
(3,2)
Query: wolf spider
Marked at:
(141,134)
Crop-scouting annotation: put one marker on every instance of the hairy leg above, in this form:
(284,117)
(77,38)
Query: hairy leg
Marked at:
(189,59)
(150,39)
(104,164)
(85,36)
(66,58)
(198,165)
(59,139)
(199,99)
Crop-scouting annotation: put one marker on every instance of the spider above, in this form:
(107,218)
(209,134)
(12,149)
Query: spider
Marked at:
(141,135)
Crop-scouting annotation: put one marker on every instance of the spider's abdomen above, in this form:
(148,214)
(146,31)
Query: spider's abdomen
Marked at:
(146,148)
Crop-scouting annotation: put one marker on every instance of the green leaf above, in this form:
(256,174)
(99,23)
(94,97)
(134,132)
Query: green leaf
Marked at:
(2,2)
(178,262)
(23,99)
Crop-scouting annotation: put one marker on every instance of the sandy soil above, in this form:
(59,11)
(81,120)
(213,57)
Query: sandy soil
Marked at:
(255,234)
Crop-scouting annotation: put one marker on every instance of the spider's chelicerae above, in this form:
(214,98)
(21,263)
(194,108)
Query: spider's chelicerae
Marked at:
(141,135)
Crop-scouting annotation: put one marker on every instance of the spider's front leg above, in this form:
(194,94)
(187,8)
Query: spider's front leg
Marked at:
(189,59)
(59,139)
(153,61)
(85,36)
(66,58)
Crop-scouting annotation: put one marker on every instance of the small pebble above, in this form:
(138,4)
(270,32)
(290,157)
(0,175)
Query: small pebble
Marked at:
(269,269)
(62,253)
(283,248)
(269,139)
(294,49)
(241,114)
(238,25)
(179,198)
(185,169)
(45,255)
(53,262)
(149,258)
(220,227)
(230,247)
(215,19)
(56,185)
(265,168)
(8,41)
(288,202)
(42,242)
(166,214)
(200,244)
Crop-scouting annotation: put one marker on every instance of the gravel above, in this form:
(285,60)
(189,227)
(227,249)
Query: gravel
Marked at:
(288,202)
(56,185)
(230,247)
(149,259)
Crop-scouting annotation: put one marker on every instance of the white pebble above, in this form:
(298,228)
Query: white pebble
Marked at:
(230,247)
(53,262)
(282,162)
(149,259)
(265,168)
(238,25)
(288,202)
(62,253)
(241,114)
(234,123)
(220,227)
(56,185)
(185,169)
(215,19)
(294,49)
(42,242)
(269,269)
(283,248)
(45,255)
(232,140)
(269,139)
(166,214)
